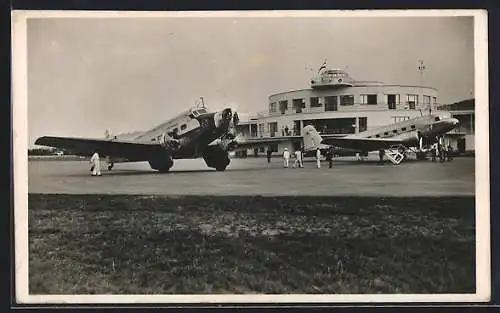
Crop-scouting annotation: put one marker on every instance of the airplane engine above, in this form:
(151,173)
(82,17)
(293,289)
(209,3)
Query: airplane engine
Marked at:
(164,161)
(226,119)
(235,120)
(170,144)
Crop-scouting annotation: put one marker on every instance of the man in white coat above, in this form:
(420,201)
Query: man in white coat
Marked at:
(286,157)
(318,157)
(95,164)
(298,159)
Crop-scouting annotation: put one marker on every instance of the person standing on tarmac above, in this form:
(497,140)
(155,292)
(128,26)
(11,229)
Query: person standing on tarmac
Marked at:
(286,157)
(329,157)
(318,157)
(450,153)
(298,159)
(269,153)
(95,164)
(434,152)
(381,153)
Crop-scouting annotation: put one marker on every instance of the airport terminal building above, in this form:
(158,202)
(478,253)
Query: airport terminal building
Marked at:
(338,104)
(463,135)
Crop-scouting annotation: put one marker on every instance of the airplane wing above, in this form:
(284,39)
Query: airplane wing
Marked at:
(129,149)
(363,144)
(240,143)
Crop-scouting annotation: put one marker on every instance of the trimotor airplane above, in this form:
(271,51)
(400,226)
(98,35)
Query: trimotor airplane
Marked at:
(394,139)
(192,134)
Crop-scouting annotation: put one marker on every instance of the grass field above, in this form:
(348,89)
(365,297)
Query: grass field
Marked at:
(97,244)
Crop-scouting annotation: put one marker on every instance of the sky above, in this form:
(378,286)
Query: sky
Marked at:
(86,75)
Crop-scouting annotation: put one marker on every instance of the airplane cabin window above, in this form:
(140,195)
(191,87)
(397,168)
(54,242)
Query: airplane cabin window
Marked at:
(403,129)
(183,126)
(377,135)
(412,126)
(386,133)
(436,118)
(395,131)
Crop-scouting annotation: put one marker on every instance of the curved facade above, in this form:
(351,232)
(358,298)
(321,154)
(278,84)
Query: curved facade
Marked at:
(342,101)
(336,103)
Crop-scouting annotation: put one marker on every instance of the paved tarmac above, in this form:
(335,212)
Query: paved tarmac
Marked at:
(254,176)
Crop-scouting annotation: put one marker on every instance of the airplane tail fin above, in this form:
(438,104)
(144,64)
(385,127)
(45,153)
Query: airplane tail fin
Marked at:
(107,134)
(312,138)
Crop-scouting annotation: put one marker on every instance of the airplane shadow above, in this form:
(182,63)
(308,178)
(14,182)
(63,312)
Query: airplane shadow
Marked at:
(126,172)
(265,167)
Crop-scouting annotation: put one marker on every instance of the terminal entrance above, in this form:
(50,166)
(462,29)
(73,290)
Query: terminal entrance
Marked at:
(333,126)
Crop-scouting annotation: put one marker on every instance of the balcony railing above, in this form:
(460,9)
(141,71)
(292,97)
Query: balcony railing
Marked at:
(356,106)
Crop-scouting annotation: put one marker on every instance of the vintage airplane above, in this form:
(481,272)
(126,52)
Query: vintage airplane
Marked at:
(394,139)
(192,134)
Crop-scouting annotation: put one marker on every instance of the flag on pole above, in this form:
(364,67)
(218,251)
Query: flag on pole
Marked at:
(322,66)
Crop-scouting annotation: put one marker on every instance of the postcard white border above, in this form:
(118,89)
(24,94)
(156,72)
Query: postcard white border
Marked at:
(20,138)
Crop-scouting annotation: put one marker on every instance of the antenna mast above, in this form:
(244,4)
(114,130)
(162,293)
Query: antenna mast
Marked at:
(421,69)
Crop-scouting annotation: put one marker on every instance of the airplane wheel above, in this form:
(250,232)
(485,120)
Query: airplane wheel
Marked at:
(165,169)
(220,169)
(110,166)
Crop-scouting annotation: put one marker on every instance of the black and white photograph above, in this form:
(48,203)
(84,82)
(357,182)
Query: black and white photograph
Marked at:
(251,156)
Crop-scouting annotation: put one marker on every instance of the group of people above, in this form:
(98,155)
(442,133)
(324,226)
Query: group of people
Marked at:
(298,157)
(441,152)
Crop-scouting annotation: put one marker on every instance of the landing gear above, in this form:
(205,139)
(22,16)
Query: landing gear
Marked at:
(216,158)
(161,165)
(110,166)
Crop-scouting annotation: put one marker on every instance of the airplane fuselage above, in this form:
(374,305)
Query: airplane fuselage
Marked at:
(410,131)
(193,131)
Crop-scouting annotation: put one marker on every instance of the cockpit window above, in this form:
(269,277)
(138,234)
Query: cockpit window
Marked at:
(199,112)
(436,118)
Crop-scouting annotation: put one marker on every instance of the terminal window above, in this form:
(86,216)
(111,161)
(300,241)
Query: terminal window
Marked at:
(412,101)
(363,124)
(369,99)
(392,100)
(426,99)
(298,105)
(331,103)
(273,128)
(272,107)
(283,106)
(347,100)
(315,102)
